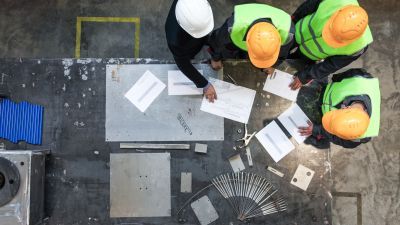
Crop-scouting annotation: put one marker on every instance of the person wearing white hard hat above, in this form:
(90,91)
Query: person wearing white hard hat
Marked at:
(187,27)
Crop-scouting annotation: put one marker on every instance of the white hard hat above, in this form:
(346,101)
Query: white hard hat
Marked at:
(195,17)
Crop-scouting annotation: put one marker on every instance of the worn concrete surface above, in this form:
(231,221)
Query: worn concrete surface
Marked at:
(78,173)
(42,28)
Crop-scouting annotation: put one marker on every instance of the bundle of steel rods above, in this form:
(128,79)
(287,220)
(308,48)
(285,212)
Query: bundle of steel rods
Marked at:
(250,195)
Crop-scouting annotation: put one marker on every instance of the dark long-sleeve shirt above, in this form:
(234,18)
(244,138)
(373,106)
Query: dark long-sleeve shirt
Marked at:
(330,64)
(320,133)
(184,48)
(222,47)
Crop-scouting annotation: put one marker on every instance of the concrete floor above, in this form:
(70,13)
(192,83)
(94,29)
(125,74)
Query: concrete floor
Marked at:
(46,29)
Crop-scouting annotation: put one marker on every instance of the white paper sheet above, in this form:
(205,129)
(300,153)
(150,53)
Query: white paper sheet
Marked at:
(234,102)
(275,141)
(179,84)
(278,84)
(145,91)
(292,119)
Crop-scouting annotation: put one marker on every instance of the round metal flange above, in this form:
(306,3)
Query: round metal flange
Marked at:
(9,181)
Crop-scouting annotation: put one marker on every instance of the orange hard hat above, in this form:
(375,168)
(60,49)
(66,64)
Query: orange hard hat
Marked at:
(263,44)
(345,26)
(348,124)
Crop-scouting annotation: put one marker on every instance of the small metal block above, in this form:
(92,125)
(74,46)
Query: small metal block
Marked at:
(200,148)
(236,163)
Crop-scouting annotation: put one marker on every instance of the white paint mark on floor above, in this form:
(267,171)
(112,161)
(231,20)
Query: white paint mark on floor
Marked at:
(67,63)
(79,124)
(84,61)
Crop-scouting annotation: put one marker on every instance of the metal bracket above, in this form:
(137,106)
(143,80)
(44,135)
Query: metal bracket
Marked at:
(249,157)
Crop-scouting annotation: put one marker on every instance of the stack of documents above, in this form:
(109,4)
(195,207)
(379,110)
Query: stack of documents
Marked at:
(275,141)
(233,102)
(292,119)
(278,84)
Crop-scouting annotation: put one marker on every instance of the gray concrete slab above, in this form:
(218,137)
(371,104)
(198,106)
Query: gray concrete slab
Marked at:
(124,122)
(78,172)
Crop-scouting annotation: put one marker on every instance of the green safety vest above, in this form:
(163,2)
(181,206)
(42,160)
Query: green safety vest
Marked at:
(337,92)
(246,14)
(309,32)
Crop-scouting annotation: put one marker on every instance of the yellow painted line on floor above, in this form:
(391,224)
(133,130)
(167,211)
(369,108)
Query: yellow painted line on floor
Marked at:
(80,20)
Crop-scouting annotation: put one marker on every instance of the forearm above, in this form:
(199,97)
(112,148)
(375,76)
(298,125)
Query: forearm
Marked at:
(285,50)
(191,72)
(351,73)
(321,70)
(218,40)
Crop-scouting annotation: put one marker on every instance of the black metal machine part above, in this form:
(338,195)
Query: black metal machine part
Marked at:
(9,181)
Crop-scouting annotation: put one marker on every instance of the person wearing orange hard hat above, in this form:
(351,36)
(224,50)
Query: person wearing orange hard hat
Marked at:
(351,111)
(260,32)
(330,34)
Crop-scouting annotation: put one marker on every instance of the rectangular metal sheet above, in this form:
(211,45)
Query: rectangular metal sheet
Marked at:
(186,182)
(204,210)
(155,146)
(135,189)
(169,118)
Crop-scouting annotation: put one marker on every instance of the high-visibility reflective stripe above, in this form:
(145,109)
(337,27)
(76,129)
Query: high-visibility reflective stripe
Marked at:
(314,38)
(302,40)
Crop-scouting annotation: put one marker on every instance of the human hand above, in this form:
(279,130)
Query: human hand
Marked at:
(216,65)
(306,131)
(210,93)
(269,70)
(296,84)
